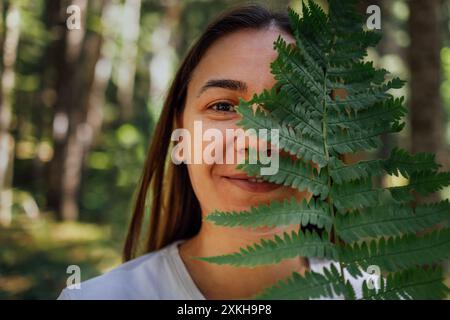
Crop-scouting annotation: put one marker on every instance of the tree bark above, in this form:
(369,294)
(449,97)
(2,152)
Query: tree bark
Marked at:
(427,115)
(76,56)
(164,52)
(9,53)
(129,51)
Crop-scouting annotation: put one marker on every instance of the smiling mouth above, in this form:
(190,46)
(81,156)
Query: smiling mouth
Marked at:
(251,184)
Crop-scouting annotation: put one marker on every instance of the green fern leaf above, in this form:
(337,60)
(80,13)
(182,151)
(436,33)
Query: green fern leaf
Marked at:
(423,182)
(409,284)
(362,100)
(388,112)
(293,173)
(397,252)
(312,286)
(287,111)
(278,213)
(357,140)
(327,102)
(362,170)
(356,194)
(391,220)
(401,162)
(270,251)
(301,146)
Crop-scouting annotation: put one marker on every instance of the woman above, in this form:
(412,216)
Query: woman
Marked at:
(231,60)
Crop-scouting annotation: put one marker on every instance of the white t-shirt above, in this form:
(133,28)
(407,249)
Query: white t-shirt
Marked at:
(160,275)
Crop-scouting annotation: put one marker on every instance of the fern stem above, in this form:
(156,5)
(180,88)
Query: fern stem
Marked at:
(327,156)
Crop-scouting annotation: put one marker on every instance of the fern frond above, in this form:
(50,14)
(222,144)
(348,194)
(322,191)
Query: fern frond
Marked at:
(300,64)
(390,111)
(351,41)
(357,76)
(293,173)
(288,112)
(316,28)
(361,170)
(423,182)
(356,194)
(301,146)
(312,285)
(270,251)
(397,252)
(364,225)
(391,220)
(409,284)
(401,162)
(297,80)
(363,99)
(350,141)
(277,213)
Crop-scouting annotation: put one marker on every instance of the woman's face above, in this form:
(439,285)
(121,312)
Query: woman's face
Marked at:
(243,60)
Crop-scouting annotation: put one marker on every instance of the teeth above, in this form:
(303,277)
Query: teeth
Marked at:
(256,180)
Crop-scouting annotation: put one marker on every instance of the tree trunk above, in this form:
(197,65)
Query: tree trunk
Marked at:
(164,52)
(76,55)
(9,53)
(427,116)
(129,50)
(65,52)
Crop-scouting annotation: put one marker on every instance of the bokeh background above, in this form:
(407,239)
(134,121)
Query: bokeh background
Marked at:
(78,107)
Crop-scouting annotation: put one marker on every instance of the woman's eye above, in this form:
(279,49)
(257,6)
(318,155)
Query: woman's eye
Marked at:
(223,107)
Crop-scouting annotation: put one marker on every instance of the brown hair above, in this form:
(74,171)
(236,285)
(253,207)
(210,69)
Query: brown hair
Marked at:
(174,209)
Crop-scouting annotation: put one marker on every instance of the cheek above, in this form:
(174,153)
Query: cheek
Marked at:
(205,178)
(200,176)
(205,186)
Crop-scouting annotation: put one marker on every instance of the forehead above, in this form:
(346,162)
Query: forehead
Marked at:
(243,55)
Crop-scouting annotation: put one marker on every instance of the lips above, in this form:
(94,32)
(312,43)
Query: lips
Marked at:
(251,184)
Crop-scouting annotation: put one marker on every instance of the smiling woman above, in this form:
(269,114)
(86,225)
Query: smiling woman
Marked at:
(230,61)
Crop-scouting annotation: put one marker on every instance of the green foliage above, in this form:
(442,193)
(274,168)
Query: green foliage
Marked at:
(357,224)
(312,285)
(277,214)
(297,244)
(409,284)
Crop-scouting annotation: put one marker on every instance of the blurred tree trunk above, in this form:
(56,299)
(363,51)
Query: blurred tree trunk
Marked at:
(426,111)
(126,70)
(2,26)
(164,44)
(65,52)
(387,46)
(9,54)
(102,75)
(76,54)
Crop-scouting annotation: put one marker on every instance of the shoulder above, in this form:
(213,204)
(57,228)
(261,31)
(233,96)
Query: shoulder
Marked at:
(145,277)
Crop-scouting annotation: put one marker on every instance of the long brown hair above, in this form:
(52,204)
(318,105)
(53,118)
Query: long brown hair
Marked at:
(174,209)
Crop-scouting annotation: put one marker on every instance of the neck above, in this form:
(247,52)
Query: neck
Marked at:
(229,282)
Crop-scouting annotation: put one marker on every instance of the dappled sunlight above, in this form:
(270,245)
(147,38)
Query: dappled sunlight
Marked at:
(390,181)
(35,255)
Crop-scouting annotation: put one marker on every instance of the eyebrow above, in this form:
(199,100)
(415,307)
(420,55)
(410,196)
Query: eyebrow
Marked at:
(223,83)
